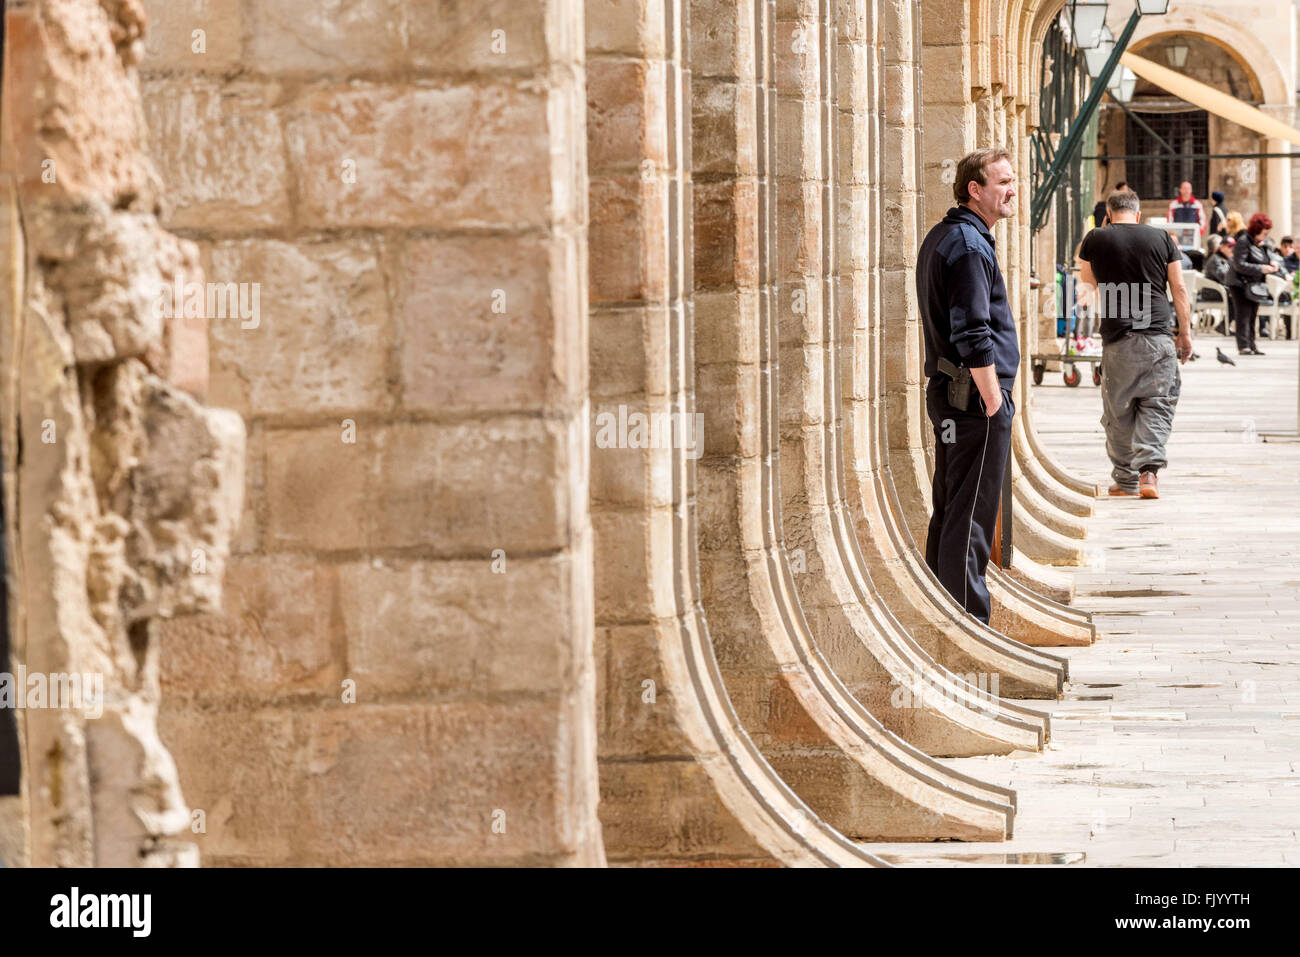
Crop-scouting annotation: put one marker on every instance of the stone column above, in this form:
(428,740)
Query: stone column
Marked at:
(1053,480)
(846,608)
(831,749)
(1041,528)
(680,779)
(861,639)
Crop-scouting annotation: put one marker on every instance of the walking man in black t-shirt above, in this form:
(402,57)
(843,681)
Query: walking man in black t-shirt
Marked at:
(1129,264)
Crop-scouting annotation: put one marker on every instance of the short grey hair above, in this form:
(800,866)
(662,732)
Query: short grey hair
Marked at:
(1124,201)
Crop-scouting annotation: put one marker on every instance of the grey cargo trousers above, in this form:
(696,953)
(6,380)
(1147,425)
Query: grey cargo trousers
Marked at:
(1140,384)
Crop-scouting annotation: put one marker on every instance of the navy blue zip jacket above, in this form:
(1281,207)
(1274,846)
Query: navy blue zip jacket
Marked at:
(964,300)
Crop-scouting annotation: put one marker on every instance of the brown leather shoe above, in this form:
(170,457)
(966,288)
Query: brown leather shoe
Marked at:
(1147,485)
(1118,489)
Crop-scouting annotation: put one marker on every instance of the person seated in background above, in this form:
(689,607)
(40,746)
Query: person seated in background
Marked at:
(1236,227)
(1218,264)
(1290,266)
(1290,260)
(1218,259)
(1276,256)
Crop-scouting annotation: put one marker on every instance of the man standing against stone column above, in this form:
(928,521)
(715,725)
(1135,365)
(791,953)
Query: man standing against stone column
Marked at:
(972,355)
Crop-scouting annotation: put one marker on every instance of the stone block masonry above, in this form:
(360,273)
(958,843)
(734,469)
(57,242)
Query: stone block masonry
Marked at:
(410,614)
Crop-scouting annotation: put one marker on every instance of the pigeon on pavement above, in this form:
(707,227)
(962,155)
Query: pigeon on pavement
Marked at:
(1222,358)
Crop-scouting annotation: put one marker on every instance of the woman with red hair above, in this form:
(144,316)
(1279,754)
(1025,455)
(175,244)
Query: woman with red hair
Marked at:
(1250,263)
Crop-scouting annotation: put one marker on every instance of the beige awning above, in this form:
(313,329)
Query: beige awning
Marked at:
(1208,98)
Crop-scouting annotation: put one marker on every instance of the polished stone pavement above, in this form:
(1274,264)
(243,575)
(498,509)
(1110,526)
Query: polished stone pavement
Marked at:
(1178,741)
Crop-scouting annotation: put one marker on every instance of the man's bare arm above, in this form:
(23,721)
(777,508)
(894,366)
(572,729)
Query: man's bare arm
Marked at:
(1182,304)
(1087,290)
(1183,309)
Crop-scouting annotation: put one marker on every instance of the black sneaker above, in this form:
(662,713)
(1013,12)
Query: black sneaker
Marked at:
(1256,352)
(1220,330)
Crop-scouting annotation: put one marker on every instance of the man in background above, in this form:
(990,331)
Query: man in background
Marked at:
(1289,258)
(1186,208)
(1129,264)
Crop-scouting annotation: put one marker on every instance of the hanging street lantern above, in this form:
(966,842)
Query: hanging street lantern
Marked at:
(1096,57)
(1087,20)
(1084,28)
(1122,83)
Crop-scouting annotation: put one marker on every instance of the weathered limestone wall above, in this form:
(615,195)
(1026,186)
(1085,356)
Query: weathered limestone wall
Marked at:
(122,508)
(403,670)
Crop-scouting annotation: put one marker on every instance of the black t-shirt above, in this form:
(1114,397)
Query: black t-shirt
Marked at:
(1130,262)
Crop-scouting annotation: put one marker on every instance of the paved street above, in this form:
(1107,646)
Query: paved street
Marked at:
(1178,742)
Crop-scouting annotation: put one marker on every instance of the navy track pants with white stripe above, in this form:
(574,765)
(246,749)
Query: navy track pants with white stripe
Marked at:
(970,461)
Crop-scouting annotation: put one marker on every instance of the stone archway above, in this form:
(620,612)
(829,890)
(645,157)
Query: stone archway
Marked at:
(1269,79)
(1250,185)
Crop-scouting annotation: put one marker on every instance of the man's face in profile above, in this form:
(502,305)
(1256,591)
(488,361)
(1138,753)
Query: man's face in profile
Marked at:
(998,193)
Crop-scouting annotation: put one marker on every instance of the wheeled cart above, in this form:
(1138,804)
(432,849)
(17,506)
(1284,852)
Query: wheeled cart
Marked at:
(1038,365)
(1066,324)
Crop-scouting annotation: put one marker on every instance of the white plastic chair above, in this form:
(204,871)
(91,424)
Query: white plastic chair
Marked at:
(1214,309)
(1280,289)
(1268,310)
(1192,280)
